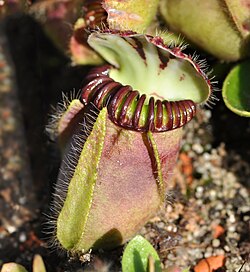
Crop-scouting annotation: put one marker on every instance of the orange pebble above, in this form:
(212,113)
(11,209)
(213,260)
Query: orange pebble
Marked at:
(187,167)
(185,158)
(218,230)
(210,264)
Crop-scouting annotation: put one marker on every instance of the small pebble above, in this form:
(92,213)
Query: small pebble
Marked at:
(231,228)
(199,193)
(212,195)
(22,200)
(216,243)
(11,229)
(246,218)
(190,237)
(22,237)
(169,209)
(232,218)
(219,251)
(199,202)
(206,155)
(219,205)
(244,193)
(169,228)
(207,254)
(244,209)
(208,147)
(229,206)
(161,225)
(175,229)
(217,215)
(209,249)
(197,148)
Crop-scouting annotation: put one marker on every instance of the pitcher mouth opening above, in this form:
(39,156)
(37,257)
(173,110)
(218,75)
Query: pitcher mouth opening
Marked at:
(148,86)
(150,66)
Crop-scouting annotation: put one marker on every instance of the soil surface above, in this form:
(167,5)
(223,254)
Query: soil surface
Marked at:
(207,211)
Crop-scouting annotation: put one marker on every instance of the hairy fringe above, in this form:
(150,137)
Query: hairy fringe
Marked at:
(58,111)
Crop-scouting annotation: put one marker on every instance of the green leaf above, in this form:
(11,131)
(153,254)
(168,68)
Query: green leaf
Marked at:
(38,264)
(136,256)
(13,267)
(236,89)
